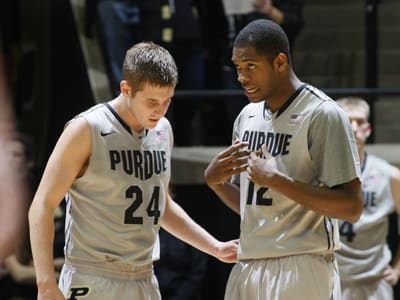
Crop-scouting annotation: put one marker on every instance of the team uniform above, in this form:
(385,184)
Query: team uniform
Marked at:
(364,251)
(114,210)
(286,250)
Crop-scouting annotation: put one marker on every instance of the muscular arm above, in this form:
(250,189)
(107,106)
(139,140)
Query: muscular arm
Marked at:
(65,164)
(341,202)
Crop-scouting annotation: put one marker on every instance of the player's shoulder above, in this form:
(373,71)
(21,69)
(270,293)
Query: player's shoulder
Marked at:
(375,161)
(322,100)
(100,107)
(252,108)
(324,107)
(163,122)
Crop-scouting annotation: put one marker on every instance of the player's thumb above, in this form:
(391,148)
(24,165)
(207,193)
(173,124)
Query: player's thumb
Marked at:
(265,151)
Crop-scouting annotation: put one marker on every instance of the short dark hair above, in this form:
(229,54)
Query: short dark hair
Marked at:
(147,62)
(267,37)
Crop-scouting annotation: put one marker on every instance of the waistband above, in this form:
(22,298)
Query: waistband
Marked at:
(111,269)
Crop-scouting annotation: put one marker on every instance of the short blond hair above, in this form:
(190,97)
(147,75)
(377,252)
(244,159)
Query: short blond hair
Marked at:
(354,102)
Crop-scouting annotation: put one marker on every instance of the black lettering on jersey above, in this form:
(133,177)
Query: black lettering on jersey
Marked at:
(346,230)
(141,164)
(138,160)
(278,143)
(78,292)
(369,199)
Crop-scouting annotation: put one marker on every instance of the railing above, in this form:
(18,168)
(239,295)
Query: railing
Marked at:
(332,92)
(370,94)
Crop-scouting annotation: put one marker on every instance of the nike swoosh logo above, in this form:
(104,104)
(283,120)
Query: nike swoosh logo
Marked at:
(106,133)
(251,116)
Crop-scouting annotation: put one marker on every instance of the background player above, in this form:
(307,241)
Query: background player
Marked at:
(113,164)
(287,199)
(364,257)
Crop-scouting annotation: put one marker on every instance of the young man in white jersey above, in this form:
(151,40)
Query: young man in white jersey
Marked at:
(113,163)
(295,170)
(364,256)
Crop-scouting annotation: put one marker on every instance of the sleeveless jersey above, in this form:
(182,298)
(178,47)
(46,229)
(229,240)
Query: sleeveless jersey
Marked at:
(114,209)
(364,251)
(311,139)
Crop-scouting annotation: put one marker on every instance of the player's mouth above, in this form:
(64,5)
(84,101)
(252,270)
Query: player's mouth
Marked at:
(250,91)
(154,120)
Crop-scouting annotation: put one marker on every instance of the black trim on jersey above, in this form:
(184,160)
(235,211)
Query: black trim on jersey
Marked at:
(315,94)
(126,126)
(290,100)
(327,233)
(332,233)
(364,162)
(266,109)
(118,118)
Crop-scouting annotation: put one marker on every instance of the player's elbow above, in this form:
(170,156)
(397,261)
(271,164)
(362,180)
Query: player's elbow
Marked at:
(353,198)
(355,209)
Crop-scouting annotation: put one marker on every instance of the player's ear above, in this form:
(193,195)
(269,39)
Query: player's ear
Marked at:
(368,129)
(125,88)
(280,62)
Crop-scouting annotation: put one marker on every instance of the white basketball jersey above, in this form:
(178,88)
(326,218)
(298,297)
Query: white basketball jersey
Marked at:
(364,252)
(114,209)
(312,142)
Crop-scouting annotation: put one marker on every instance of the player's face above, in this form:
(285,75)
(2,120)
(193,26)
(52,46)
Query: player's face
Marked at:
(149,104)
(359,123)
(255,73)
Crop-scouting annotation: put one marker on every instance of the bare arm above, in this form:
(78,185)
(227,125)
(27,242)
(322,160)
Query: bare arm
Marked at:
(341,202)
(65,164)
(227,163)
(177,222)
(392,273)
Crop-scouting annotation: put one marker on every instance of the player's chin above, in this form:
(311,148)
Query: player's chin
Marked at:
(151,124)
(255,96)
(255,99)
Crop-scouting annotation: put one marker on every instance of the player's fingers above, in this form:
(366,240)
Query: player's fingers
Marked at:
(265,151)
(253,156)
(233,148)
(235,171)
(239,162)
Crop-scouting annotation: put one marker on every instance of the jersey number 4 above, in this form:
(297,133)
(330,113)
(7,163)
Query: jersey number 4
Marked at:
(260,200)
(134,192)
(347,230)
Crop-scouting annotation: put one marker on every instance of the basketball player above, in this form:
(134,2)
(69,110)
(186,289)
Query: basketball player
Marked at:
(289,196)
(364,255)
(113,163)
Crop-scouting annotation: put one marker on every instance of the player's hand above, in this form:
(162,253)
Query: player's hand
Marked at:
(262,170)
(227,163)
(227,251)
(391,275)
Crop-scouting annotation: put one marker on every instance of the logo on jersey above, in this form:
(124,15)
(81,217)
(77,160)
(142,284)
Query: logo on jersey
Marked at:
(78,292)
(141,164)
(161,134)
(296,119)
(106,133)
(278,143)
